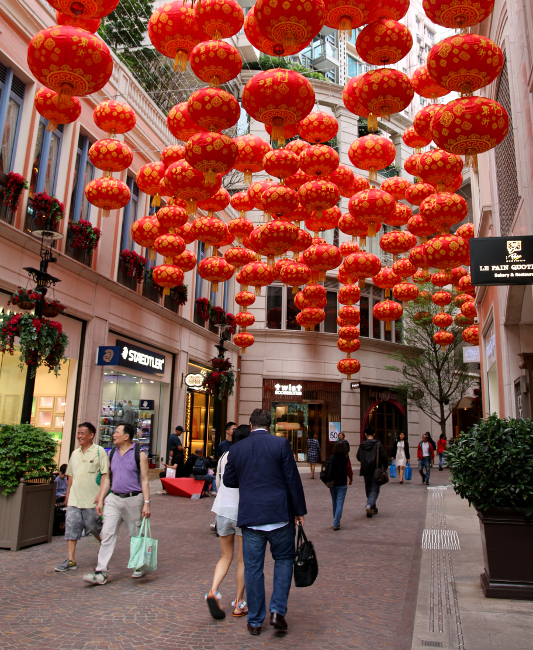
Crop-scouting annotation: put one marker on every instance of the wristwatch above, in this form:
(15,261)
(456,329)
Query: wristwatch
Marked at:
(148,502)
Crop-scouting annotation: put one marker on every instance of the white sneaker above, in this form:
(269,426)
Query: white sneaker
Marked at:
(95,578)
(138,574)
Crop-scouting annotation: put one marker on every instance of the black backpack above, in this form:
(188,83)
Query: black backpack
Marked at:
(199,468)
(325,474)
(137,452)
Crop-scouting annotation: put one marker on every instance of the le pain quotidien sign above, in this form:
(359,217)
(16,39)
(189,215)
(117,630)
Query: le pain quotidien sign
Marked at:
(501,260)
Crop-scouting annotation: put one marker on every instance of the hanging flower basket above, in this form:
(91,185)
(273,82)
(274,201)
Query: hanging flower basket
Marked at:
(53,308)
(15,184)
(217,315)
(132,265)
(47,211)
(180,294)
(203,307)
(84,235)
(219,382)
(230,320)
(24,298)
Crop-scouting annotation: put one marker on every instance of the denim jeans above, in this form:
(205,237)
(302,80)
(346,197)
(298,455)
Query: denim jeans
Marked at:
(442,459)
(282,548)
(425,464)
(371,489)
(338,494)
(210,479)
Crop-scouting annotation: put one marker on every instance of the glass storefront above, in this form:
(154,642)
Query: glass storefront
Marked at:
(385,411)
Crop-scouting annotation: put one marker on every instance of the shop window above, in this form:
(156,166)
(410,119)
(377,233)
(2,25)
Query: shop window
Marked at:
(330,322)
(365,319)
(130,215)
(291,312)
(280,308)
(84,172)
(274,307)
(46,159)
(198,284)
(12,91)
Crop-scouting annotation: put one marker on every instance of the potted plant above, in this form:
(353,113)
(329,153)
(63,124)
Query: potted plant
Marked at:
(25,298)
(52,344)
(203,308)
(27,491)
(132,265)
(53,308)
(492,467)
(220,381)
(180,294)
(84,235)
(217,315)
(15,184)
(47,211)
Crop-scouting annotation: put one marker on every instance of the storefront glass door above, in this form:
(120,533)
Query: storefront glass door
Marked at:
(298,422)
(388,421)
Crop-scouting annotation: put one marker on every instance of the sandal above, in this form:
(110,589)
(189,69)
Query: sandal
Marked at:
(213,602)
(162,492)
(243,610)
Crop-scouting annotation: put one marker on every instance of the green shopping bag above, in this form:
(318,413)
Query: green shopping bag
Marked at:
(143,549)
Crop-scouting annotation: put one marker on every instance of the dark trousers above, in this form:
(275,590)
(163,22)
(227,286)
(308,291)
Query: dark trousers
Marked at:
(371,489)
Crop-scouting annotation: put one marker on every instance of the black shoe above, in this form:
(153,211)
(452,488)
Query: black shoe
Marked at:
(336,527)
(441,469)
(368,512)
(374,511)
(254,631)
(427,482)
(278,621)
(423,480)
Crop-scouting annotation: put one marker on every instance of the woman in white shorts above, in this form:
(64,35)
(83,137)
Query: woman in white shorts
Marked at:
(226,508)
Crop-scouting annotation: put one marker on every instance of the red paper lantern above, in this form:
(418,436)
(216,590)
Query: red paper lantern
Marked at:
(240,228)
(346,15)
(261,42)
(291,24)
(425,86)
(471,335)
(309,317)
(256,274)
(349,332)
(328,220)
(319,160)
(443,338)
(403,268)
(70,61)
(110,155)
(371,153)
(348,367)
(462,321)
(172,154)
(401,216)
(180,124)
(215,62)
(215,270)
(219,19)
(294,274)
(84,9)
(362,265)
(383,92)
(418,192)
(215,203)
(466,231)
(252,151)
(169,246)
(349,294)
(245,299)
(89,24)
(405,291)
(244,319)
(387,311)
(386,279)
(372,207)
(297,146)
(350,315)
(149,178)
(470,126)
(114,117)
(442,320)
(441,298)
(443,210)
(145,231)
(243,340)
(469,309)
(318,195)
(211,153)
(256,191)
(318,126)
(457,14)
(396,242)
(396,187)
(465,284)
(438,167)
(189,185)
(46,103)
(108,194)
(413,139)
(174,32)
(465,62)
(446,251)
(213,109)
(278,97)
(420,227)
(302,243)
(423,120)
(393,9)
(278,236)
(322,258)
(242,203)
(297,180)
(347,346)
(167,276)
(442,278)
(186,261)
(383,42)
(281,163)
(187,233)
(171,216)
(348,247)
(458,273)
(345,180)
(418,257)
(238,257)
(210,230)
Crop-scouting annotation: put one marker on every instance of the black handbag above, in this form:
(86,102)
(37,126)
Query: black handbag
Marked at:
(325,474)
(381,476)
(305,562)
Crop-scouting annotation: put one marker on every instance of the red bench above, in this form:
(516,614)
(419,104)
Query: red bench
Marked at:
(183,487)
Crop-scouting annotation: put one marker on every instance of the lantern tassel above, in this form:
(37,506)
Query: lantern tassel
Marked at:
(289,40)
(214,287)
(105,212)
(210,177)
(257,291)
(66,91)
(387,292)
(217,36)
(322,276)
(471,158)
(214,81)
(166,291)
(294,290)
(348,377)
(278,130)
(362,242)
(191,206)
(372,229)
(156,201)
(345,27)
(243,350)
(372,174)
(387,326)
(385,113)
(247,181)
(180,61)
(372,123)
(418,149)
(52,126)
(361,282)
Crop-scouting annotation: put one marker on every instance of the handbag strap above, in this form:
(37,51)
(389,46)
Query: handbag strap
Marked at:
(377,455)
(145,528)
(301,535)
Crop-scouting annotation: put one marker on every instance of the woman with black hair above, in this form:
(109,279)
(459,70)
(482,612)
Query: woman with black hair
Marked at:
(400,452)
(341,474)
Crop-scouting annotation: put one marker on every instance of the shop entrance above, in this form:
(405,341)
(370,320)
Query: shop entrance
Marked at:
(388,421)
(298,422)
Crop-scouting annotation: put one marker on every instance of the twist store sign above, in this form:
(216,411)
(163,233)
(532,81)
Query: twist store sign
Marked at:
(501,260)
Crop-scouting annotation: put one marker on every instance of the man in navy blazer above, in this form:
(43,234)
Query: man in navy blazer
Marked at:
(271,501)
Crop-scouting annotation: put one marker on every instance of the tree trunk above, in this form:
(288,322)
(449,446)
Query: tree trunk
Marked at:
(442,419)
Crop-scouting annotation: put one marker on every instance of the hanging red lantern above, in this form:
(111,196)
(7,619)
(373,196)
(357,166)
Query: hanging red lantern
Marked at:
(256,274)
(350,99)
(350,315)
(443,338)
(349,294)
(465,284)
(309,317)
(425,86)
(242,203)
(89,24)
(180,124)
(348,247)
(145,231)
(469,309)
(319,160)
(172,154)
(245,299)
(396,242)
(418,192)
(169,246)
(441,299)
(297,180)
(453,186)
(457,14)
(423,120)
(210,230)
(215,203)
(84,10)
(187,233)
(215,62)
(261,42)
(362,265)
(446,251)
(300,214)
(349,332)
(393,9)
(289,25)
(346,15)
(167,276)
(252,151)
(348,346)
(466,231)
(279,98)
(110,155)
(215,270)
(149,178)
(281,163)
(387,311)
(243,340)
(420,227)
(318,195)
(240,228)
(213,109)
(174,32)
(344,179)
(238,257)
(46,103)
(322,258)
(465,63)
(403,268)
(171,217)
(108,194)
(384,42)
(349,225)
(244,319)
(413,139)
(405,291)
(442,320)
(371,153)
(114,117)
(278,266)
(470,126)
(70,61)
(348,367)
(442,278)
(372,207)
(383,92)
(396,187)
(297,146)
(328,220)
(256,191)
(219,19)
(318,126)
(278,236)
(443,210)
(462,321)
(438,167)
(294,274)
(386,279)
(302,243)
(211,153)
(189,185)
(418,257)
(186,261)
(471,335)
(458,273)
(401,216)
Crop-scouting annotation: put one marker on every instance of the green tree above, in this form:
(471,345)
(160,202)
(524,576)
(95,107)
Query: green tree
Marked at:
(433,378)
(126,26)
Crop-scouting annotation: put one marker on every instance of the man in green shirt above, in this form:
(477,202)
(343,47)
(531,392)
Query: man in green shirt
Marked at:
(86,464)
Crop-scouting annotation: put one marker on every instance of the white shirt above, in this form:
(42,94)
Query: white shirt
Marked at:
(227,500)
(425,448)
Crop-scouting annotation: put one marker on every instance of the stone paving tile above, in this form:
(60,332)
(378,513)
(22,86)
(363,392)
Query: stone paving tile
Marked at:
(356,601)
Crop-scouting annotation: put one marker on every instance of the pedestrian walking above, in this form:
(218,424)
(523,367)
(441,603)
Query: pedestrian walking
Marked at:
(431,441)
(127,500)
(425,456)
(87,465)
(342,438)
(371,455)
(400,453)
(224,445)
(442,444)
(341,474)
(271,501)
(313,452)
(226,509)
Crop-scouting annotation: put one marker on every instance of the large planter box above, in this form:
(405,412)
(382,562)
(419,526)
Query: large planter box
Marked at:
(507,539)
(27,515)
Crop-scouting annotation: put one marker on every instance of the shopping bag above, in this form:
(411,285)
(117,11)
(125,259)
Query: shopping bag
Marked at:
(408,472)
(143,549)
(171,473)
(305,562)
(392,470)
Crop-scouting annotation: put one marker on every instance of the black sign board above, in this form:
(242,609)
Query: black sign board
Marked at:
(140,359)
(501,260)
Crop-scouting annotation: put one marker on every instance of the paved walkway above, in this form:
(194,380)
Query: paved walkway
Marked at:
(366,594)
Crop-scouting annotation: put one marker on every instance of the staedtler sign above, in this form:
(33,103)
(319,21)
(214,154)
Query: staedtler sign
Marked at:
(501,260)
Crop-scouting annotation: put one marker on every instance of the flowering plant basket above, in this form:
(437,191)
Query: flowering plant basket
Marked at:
(150,280)
(25,298)
(53,308)
(217,315)
(15,184)
(203,308)
(84,235)
(132,264)
(52,345)
(220,363)
(230,320)
(219,382)
(48,211)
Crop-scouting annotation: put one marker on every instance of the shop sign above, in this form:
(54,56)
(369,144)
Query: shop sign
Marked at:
(383,395)
(471,354)
(334,430)
(288,389)
(354,385)
(195,380)
(146,405)
(501,260)
(131,356)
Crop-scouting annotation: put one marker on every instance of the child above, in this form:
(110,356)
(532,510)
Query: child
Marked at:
(61,484)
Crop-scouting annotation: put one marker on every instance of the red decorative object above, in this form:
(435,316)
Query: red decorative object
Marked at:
(442,278)
(149,178)
(438,167)
(279,98)
(210,230)
(279,200)
(350,315)
(418,257)
(318,195)
(245,299)
(319,160)
(186,261)
(256,191)
(348,346)
(215,203)
(471,335)
(213,109)
(346,15)
(187,233)
(423,120)
(309,317)
(294,274)
(219,19)
(372,207)
(46,103)
(405,291)
(469,309)
(89,24)
(244,319)
(442,320)
(465,284)
(393,9)
(328,220)
(383,42)
(388,311)
(386,279)
(281,163)
(348,367)
(413,139)
(383,92)
(401,216)
(169,246)
(172,154)
(215,270)
(418,192)
(349,332)
(318,126)
(396,242)
(465,63)
(457,14)
(425,86)
(466,231)
(446,251)
(242,203)
(303,242)
(441,298)
(322,258)
(180,124)
(462,321)
(110,155)
(419,227)
(371,153)
(396,187)
(243,340)
(349,225)
(297,180)
(443,210)
(443,338)
(411,164)
(167,276)
(132,265)
(108,194)
(403,268)
(345,180)
(211,153)
(458,273)
(171,216)
(215,62)
(189,185)
(362,265)
(256,274)
(114,117)
(70,61)
(84,9)
(348,247)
